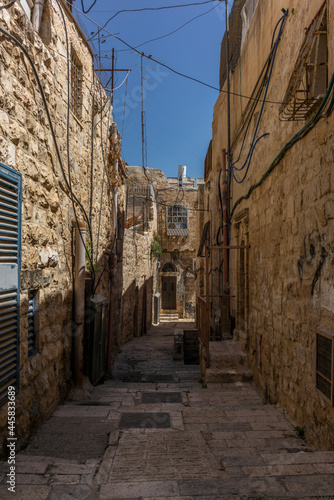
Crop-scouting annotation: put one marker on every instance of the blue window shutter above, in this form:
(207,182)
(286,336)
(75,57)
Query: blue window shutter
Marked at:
(10,265)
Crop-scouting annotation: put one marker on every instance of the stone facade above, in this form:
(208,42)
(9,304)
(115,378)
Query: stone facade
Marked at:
(281,288)
(139,266)
(27,146)
(178,260)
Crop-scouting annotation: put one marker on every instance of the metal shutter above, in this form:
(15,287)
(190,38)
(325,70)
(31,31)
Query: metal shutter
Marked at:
(10,260)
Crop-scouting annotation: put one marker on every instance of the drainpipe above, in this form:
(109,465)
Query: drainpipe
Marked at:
(79,299)
(37,14)
(112,272)
(226,299)
(111,312)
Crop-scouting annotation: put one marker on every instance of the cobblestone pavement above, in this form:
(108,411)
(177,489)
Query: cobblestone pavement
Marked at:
(153,432)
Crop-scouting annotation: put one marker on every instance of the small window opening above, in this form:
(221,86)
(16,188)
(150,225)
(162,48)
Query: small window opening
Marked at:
(76,84)
(324,363)
(177,221)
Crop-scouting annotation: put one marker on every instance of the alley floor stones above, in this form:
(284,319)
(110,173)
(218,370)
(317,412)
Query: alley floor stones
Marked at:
(154,432)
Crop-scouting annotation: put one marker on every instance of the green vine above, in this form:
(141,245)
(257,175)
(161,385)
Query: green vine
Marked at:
(156,249)
(89,253)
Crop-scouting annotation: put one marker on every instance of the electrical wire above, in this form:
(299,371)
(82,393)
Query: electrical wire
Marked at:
(249,162)
(148,9)
(26,53)
(8,6)
(299,135)
(171,32)
(87,253)
(90,8)
(253,143)
(169,67)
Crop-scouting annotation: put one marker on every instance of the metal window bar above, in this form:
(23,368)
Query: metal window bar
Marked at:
(10,258)
(76,85)
(324,365)
(138,207)
(177,220)
(31,323)
(309,80)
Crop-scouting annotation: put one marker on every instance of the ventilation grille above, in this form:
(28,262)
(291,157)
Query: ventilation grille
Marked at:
(324,364)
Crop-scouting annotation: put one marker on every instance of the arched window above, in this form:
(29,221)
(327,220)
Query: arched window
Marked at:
(169,268)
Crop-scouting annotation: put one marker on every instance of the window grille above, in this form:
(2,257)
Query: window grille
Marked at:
(76,84)
(309,81)
(324,363)
(10,260)
(169,268)
(177,221)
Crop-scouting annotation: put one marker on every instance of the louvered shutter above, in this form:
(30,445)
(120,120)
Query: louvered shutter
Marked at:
(10,260)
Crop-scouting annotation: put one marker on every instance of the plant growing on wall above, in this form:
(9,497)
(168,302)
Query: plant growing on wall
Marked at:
(89,253)
(156,249)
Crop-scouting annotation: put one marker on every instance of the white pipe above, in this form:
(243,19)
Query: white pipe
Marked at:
(79,300)
(37,14)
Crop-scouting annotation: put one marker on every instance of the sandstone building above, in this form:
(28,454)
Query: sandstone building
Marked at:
(276,295)
(61,184)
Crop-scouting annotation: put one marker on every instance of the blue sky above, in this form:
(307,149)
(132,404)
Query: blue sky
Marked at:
(178,111)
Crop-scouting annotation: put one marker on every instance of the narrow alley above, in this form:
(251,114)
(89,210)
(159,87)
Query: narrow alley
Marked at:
(155,431)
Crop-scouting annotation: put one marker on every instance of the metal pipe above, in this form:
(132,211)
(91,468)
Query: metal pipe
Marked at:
(79,299)
(111,315)
(37,14)
(228,106)
(226,287)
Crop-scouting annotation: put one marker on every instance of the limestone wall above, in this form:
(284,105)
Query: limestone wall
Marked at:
(180,250)
(139,266)
(26,145)
(282,287)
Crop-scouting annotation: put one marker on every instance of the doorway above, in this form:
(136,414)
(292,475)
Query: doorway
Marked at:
(169,292)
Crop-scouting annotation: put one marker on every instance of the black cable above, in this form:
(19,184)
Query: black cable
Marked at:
(87,253)
(8,6)
(15,40)
(92,155)
(146,9)
(90,8)
(172,32)
(171,69)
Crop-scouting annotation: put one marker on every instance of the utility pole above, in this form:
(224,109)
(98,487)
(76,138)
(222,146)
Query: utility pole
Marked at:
(112,75)
(143,119)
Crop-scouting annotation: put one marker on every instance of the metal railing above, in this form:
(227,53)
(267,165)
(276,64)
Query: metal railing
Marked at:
(203,325)
(138,208)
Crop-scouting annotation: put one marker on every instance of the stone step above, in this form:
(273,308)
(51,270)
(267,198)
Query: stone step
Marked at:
(164,319)
(228,375)
(226,353)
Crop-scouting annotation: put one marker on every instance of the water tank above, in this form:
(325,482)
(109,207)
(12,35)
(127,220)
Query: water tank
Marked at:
(182,172)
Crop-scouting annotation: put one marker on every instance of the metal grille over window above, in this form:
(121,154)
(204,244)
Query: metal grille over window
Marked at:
(10,241)
(139,208)
(177,221)
(324,366)
(31,323)
(76,85)
(169,268)
(309,81)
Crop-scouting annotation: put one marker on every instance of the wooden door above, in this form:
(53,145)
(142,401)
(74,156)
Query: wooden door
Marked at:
(169,292)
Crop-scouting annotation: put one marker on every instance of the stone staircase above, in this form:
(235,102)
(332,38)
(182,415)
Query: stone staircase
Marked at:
(228,363)
(168,315)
